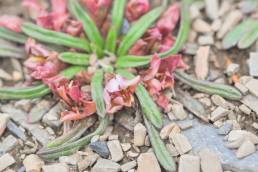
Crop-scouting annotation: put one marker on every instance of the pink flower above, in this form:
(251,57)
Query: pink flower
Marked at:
(118,92)
(56,19)
(136,8)
(78,103)
(166,43)
(41,63)
(32,48)
(11,22)
(160,76)
(169,19)
(98,9)
(148,44)
(73,28)
(34,7)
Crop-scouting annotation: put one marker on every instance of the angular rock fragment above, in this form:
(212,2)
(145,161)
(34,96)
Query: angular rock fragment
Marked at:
(148,162)
(181,143)
(6,160)
(139,134)
(33,163)
(115,150)
(104,165)
(245,149)
(58,167)
(210,161)
(189,163)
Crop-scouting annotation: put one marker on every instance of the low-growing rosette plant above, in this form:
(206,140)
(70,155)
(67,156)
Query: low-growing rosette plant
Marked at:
(99,56)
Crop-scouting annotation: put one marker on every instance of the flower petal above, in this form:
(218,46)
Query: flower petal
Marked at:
(11,22)
(169,19)
(136,8)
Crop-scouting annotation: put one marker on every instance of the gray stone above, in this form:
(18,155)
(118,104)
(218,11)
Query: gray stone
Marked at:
(128,166)
(20,117)
(205,40)
(87,161)
(202,135)
(8,144)
(210,161)
(212,9)
(5,161)
(39,110)
(104,165)
(4,118)
(189,163)
(13,128)
(225,128)
(115,150)
(252,86)
(252,102)
(59,167)
(148,162)
(52,117)
(253,64)
(100,148)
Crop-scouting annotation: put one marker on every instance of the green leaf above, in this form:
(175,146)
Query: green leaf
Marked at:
(70,148)
(138,29)
(89,26)
(97,92)
(132,61)
(250,37)
(136,61)
(74,58)
(80,128)
(12,36)
(208,87)
(183,30)
(59,38)
(41,90)
(117,21)
(232,38)
(160,150)
(148,106)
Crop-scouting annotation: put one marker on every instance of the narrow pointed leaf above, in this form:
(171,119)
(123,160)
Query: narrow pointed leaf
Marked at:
(160,150)
(132,61)
(250,37)
(74,58)
(12,36)
(49,36)
(136,61)
(117,21)
(41,90)
(81,128)
(208,87)
(70,148)
(97,92)
(138,29)
(148,106)
(232,38)
(183,30)
(89,26)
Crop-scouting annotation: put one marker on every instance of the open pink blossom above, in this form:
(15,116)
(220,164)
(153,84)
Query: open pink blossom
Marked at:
(78,102)
(11,22)
(136,8)
(118,93)
(166,43)
(160,76)
(34,7)
(169,19)
(98,9)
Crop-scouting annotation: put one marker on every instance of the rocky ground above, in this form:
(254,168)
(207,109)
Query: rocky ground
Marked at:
(202,132)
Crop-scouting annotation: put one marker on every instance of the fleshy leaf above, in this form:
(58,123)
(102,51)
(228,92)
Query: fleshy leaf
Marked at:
(48,36)
(138,29)
(117,20)
(74,58)
(97,92)
(232,38)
